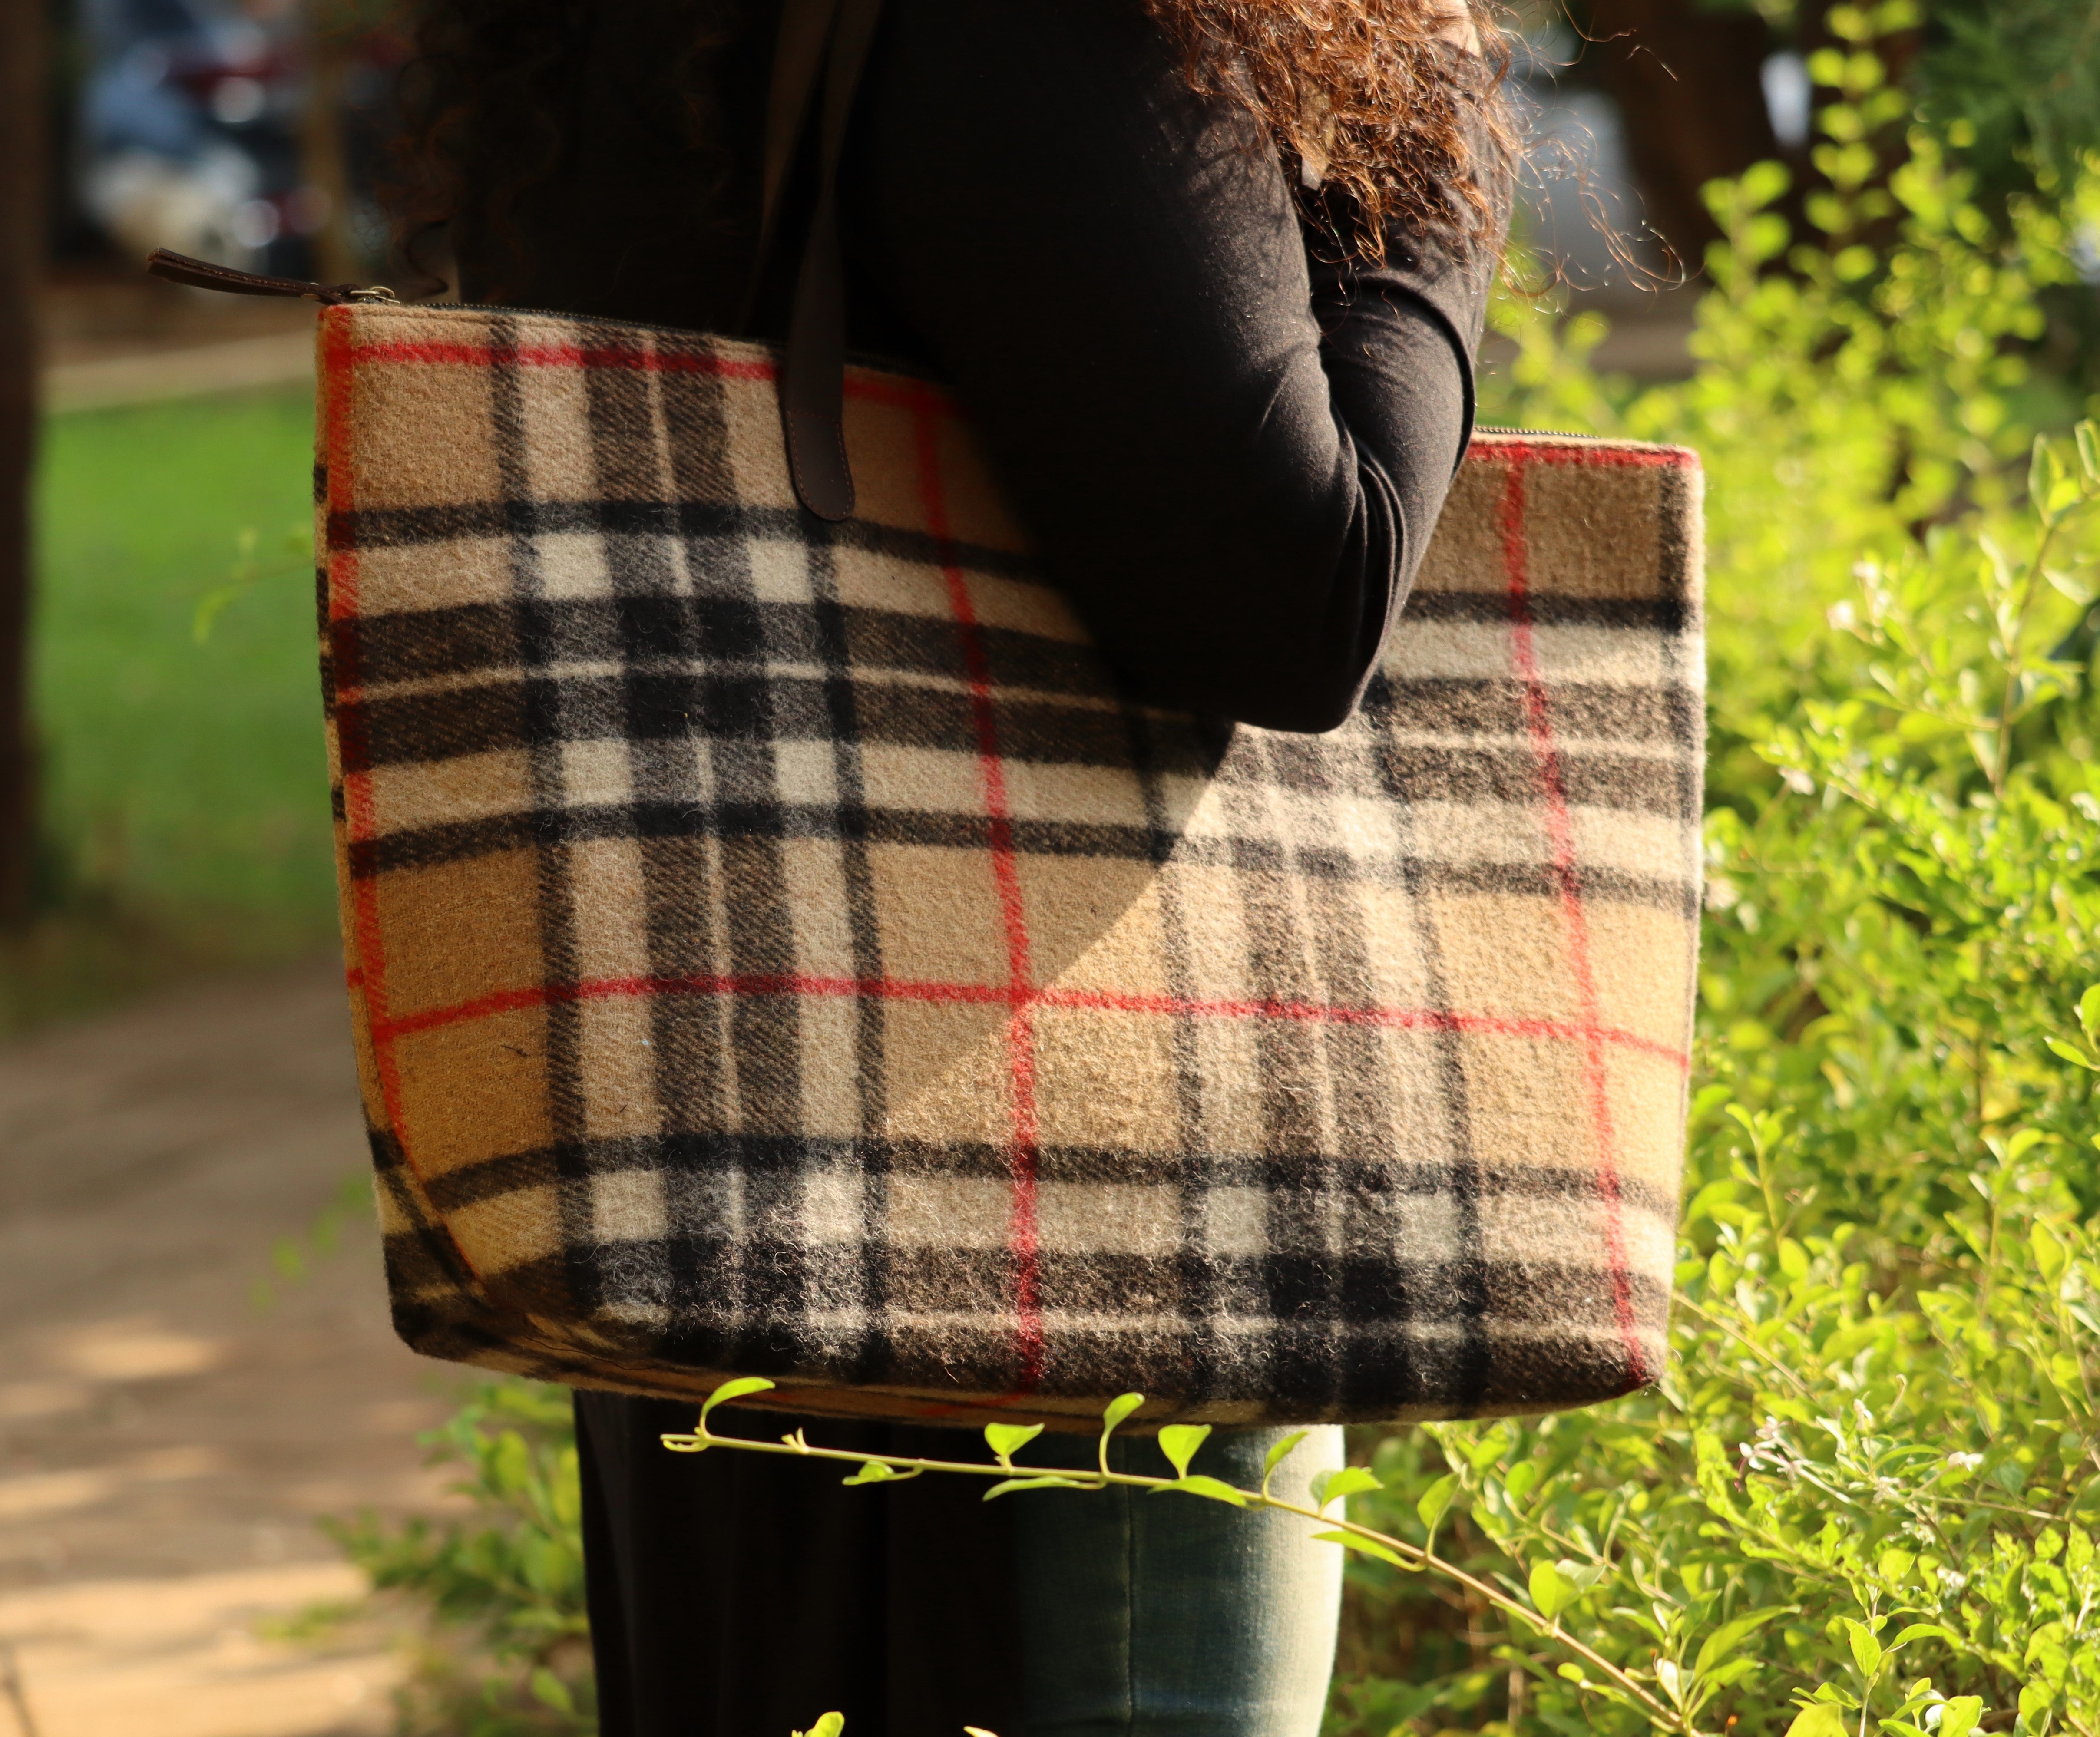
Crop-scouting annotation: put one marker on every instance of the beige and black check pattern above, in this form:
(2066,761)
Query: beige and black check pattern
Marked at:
(775,949)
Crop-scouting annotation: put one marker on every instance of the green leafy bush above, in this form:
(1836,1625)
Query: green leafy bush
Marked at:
(503,1647)
(1865,1498)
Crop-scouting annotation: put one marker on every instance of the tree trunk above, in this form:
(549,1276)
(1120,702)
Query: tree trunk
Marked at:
(1690,88)
(23,73)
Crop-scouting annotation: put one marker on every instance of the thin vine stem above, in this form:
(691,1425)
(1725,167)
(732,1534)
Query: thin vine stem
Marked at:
(1411,1556)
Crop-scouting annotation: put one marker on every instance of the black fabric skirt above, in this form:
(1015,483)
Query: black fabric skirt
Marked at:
(745,1595)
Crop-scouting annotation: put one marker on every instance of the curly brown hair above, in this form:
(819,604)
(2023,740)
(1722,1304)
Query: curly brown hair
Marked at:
(1389,118)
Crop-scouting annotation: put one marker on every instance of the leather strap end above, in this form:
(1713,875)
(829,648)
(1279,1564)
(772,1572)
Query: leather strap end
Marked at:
(817,462)
(203,274)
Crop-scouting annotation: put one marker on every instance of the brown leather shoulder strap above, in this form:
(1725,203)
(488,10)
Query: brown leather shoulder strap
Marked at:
(831,38)
(798,64)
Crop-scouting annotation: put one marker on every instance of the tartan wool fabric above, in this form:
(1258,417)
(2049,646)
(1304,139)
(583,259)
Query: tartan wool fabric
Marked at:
(775,949)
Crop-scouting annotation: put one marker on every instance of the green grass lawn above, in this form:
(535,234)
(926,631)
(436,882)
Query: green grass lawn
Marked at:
(186,792)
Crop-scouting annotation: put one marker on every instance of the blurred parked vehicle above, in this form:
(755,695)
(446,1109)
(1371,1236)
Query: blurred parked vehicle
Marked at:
(197,130)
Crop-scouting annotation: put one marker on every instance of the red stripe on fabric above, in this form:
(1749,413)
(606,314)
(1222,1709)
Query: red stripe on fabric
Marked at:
(367,938)
(992,995)
(1495,448)
(1024,1237)
(1560,830)
(339,367)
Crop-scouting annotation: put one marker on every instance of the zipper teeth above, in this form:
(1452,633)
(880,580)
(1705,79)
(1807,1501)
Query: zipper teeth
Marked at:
(1549,433)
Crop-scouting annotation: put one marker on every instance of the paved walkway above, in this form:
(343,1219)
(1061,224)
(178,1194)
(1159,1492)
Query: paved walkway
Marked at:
(165,1444)
(233,364)
(118,338)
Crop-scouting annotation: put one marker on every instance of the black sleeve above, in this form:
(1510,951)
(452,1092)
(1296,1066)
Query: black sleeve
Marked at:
(1230,458)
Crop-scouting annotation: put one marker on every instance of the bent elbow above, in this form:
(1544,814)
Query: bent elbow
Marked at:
(1303,702)
(1311,712)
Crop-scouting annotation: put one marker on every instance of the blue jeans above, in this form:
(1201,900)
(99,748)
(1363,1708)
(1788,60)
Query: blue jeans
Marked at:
(1151,1616)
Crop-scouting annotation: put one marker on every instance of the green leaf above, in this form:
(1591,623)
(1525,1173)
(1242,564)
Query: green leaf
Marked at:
(2050,1252)
(2071,1053)
(1866,1649)
(1196,1484)
(1363,1546)
(875,1472)
(1762,182)
(2044,467)
(1550,1591)
(2088,1012)
(1281,1452)
(1347,1480)
(743,1385)
(2076,586)
(1006,1439)
(549,1690)
(1119,1408)
(1819,1719)
(2089,459)
(1959,1716)
(1491,1446)
(1730,1635)
(1179,1441)
(1918,1631)
(1435,1500)
(1008,1485)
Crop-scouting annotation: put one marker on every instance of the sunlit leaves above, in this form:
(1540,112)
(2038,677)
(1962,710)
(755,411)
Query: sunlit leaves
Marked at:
(1179,1441)
(1118,1411)
(1362,1545)
(1216,1489)
(1332,1486)
(1006,1439)
(743,1387)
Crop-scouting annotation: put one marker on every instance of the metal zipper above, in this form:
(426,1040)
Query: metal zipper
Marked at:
(1550,434)
(202,273)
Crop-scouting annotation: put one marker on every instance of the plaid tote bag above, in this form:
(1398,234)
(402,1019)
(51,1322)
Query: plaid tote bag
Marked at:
(776,948)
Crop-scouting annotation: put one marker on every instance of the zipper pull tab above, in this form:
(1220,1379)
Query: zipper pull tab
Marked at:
(202,273)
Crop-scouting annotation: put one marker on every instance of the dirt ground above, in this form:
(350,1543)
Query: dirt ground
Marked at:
(166,1442)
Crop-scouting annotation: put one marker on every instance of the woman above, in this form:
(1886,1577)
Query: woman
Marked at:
(1208,275)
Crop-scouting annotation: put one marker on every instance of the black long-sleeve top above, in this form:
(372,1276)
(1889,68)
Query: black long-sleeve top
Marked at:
(1230,454)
